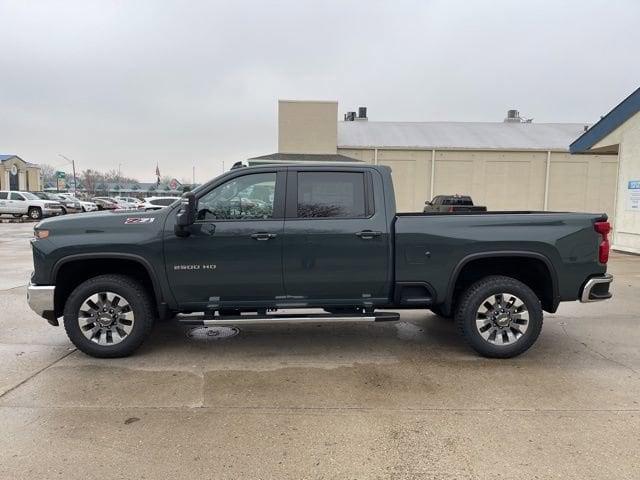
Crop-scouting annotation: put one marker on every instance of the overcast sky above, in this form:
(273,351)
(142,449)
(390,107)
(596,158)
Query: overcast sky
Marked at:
(193,83)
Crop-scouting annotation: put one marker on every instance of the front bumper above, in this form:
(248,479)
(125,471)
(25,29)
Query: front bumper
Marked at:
(41,300)
(52,211)
(597,289)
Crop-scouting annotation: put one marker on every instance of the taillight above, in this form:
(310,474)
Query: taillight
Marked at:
(603,228)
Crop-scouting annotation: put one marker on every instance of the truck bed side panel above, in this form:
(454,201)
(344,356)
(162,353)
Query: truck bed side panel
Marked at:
(431,248)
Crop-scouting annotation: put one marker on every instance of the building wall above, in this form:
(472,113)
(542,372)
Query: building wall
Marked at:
(307,126)
(501,180)
(626,235)
(34,180)
(28,176)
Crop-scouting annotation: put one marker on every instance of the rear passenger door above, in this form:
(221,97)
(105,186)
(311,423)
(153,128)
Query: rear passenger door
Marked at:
(336,238)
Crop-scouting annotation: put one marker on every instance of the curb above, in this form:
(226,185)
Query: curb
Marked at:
(17,220)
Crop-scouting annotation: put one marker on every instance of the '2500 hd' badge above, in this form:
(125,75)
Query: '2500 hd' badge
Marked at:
(131,220)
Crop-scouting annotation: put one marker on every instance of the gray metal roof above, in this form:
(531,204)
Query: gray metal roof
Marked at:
(459,135)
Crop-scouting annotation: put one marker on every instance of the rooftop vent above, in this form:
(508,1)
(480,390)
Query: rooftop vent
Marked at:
(349,116)
(513,116)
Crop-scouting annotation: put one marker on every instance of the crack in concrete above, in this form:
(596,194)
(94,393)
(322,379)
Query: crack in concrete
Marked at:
(324,409)
(36,373)
(601,355)
(13,288)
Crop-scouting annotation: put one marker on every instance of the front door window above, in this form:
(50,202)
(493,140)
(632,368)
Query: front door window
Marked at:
(250,197)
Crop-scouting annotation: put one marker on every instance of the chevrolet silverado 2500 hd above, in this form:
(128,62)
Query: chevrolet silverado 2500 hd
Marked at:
(259,239)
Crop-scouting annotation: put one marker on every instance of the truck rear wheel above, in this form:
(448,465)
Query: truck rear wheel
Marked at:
(108,316)
(499,317)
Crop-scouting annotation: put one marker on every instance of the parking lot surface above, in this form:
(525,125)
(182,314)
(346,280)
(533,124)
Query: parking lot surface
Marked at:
(390,401)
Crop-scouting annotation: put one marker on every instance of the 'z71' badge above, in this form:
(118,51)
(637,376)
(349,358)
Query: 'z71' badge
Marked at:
(139,220)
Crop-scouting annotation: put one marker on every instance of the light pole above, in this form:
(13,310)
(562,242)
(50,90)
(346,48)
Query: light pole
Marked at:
(73,164)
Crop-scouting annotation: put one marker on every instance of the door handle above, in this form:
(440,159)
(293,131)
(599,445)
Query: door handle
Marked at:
(263,236)
(368,234)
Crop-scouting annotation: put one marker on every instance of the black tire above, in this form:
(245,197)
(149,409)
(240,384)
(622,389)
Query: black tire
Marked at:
(35,213)
(64,211)
(132,292)
(471,302)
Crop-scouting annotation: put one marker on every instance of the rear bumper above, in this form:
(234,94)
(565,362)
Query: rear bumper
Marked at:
(40,299)
(596,289)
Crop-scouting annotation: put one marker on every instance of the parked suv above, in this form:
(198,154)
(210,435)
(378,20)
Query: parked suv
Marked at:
(26,203)
(156,203)
(69,205)
(84,205)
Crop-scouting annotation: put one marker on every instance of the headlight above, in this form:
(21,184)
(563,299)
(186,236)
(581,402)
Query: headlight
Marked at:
(40,234)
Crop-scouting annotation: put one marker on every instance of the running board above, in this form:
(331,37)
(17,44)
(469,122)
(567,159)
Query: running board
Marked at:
(292,318)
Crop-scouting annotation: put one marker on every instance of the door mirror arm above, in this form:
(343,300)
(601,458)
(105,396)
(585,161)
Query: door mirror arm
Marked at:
(186,216)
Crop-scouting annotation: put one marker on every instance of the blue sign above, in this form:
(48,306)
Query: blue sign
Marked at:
(634,185)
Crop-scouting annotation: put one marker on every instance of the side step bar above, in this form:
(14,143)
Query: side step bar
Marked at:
(291,318)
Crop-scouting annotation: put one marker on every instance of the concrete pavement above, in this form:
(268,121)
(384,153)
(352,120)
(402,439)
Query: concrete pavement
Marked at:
(403,400)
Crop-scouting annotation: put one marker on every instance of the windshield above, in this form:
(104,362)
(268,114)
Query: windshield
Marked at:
(30,196)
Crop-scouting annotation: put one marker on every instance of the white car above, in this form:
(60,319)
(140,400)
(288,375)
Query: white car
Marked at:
(26,203)
(134,202)
(156,203)
(88,206)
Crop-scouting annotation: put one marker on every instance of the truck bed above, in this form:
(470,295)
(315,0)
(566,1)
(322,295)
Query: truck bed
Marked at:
(440,243)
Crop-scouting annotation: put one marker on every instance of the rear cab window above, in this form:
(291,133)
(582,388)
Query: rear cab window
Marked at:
(332,195)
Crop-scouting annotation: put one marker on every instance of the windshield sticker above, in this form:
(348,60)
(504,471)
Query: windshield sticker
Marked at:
(139,220)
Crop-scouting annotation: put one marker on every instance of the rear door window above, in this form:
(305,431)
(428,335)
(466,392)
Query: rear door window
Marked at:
(3,195)
(331,195)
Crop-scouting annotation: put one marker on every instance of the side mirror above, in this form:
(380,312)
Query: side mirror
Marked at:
(428,202)
(187,214)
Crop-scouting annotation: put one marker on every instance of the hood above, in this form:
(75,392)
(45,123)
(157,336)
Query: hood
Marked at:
(106,221)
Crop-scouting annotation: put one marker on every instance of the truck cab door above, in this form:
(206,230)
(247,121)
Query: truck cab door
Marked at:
(4,202)
(17,203)
(232,256)
(337,239)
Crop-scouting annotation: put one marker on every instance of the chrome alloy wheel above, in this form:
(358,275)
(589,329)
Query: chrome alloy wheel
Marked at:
(106,318)
(502,319)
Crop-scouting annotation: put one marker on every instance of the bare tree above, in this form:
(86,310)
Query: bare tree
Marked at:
(48,173)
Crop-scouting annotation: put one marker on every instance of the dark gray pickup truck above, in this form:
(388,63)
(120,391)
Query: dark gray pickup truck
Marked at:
(257,240)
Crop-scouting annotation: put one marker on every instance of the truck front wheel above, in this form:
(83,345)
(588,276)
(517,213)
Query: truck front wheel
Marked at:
(500,317)
(108,316)
(35,213)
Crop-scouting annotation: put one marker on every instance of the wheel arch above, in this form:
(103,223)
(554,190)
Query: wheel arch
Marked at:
(544,280)
(70,271)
